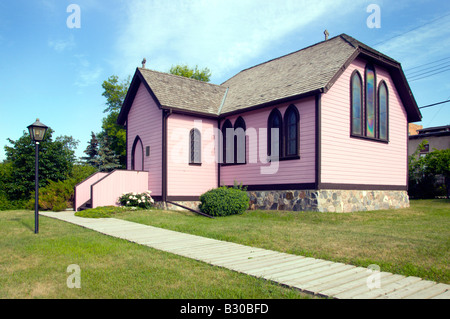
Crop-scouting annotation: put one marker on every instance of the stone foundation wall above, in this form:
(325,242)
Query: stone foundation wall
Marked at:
(339,201)
(169,206)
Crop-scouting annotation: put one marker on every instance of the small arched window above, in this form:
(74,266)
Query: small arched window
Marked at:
(239,141)
(383,107)
(357,104)
(275,135)
(137,155)
(195,147)
(227,142)
(292,132)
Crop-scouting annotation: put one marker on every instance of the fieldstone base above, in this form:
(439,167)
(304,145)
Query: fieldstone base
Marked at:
(339,201)
(169,206)
(336,201)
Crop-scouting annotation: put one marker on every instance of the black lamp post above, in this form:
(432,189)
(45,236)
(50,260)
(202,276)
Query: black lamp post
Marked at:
(37,132)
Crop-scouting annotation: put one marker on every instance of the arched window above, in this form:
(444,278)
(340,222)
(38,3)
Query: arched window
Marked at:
(357,104)
(275,135)
(227,142)
(371,112)
(383,107)
(292,132)
(195,147)
(137,155)
(239,141)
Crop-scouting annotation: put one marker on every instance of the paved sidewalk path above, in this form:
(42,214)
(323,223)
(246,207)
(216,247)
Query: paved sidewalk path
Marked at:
(316,276)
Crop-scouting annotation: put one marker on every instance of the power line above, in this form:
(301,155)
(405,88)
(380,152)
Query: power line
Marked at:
(439,103)
(430,22)
(431,68)
(426,76)
(426,64)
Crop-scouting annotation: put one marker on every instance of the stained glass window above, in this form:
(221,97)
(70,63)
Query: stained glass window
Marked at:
(370,102)
(357,104)
(383,109)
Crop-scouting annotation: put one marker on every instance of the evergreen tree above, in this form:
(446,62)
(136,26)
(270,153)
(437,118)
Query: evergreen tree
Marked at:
(91,151)
(107,159)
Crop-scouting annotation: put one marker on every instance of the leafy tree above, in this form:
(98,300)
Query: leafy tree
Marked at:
(192,73)
(423,171)
(438,163)
(115,92)
(56,159)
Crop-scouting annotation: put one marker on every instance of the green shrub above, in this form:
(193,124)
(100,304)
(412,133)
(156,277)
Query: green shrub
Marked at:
(56,196)
(224,201)
(101,212)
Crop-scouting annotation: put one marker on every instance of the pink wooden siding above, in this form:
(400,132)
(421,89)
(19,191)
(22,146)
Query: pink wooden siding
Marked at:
(145,121)
(107,191)
(83,189)
(288,172)
(185,179)
(347,160)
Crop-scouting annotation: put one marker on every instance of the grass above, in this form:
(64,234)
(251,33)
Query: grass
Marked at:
(410,242)
(35,266)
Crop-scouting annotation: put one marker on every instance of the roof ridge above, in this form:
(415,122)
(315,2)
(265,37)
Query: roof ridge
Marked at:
(180,77)
(288,54)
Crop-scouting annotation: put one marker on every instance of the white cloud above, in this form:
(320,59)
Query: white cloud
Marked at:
(87,74)
(218,34)
(62,45)
(421,45)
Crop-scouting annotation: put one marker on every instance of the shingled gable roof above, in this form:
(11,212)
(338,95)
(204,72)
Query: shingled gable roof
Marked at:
(303,73)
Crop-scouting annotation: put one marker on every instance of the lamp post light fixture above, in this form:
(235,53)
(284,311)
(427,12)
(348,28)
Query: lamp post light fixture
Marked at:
(37,132)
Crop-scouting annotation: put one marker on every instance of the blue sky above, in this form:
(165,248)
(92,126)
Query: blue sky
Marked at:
(53,72)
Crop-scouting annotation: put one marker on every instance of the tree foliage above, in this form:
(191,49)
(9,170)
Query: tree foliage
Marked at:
(91,151)
(56,159)
(423,171)
(115,92)
(192,73)
(111,141)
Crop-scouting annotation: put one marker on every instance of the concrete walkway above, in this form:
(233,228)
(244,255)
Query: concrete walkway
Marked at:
(315,276)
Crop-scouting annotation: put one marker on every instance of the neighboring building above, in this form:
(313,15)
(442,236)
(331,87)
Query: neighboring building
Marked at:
(438,138)
(414,129)
(323,129)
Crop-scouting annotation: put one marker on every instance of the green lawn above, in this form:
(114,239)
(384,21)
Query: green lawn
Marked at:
(35,266)
(411,242)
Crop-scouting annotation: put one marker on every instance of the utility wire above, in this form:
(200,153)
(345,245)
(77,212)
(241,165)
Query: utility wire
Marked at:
(426,76)
(432,21)
(429,69)
(423,107)
(416,67)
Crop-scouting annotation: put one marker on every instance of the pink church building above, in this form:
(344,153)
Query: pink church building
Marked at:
(322,129)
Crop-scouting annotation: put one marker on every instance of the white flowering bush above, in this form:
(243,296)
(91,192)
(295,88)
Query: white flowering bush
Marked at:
(142,200)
